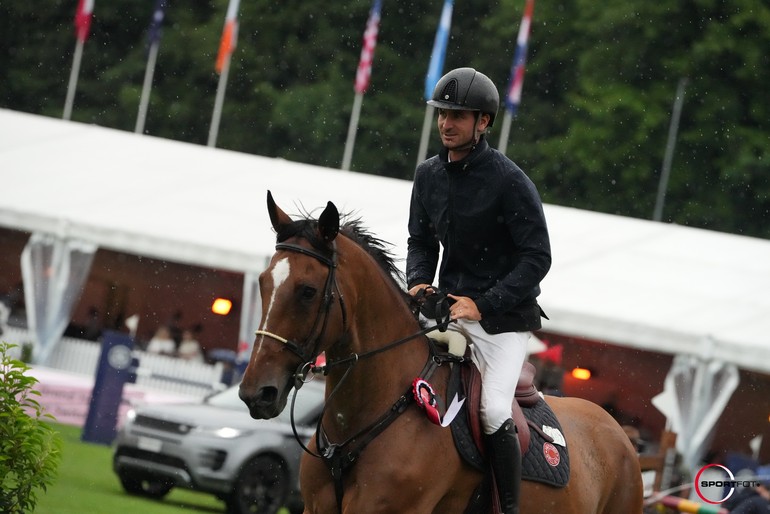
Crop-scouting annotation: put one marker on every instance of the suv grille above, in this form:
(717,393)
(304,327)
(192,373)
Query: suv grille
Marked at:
(151,457)
(163,425)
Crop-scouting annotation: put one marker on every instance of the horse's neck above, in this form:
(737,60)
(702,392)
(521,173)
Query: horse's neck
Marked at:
(376,380)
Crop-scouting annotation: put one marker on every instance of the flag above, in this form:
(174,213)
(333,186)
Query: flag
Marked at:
(513,98)
(153,34)
(229,35)
(83,19)
(364,72)
(436,66)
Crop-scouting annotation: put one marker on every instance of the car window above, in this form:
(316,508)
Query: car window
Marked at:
(307,406)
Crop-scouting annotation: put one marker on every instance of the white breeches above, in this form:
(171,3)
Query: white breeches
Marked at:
(499,358)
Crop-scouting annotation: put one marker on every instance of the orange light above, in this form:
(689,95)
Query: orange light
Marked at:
(221,306)
(581,373)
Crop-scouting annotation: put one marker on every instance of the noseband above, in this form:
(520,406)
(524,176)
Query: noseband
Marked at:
(322,317)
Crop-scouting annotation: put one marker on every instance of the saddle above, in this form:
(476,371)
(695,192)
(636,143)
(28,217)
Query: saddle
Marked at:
(468,382)
(545,457)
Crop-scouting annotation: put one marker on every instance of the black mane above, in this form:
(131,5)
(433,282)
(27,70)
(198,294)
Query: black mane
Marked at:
(353,229)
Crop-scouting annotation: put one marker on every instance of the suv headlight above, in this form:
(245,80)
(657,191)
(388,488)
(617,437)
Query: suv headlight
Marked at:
(225,432)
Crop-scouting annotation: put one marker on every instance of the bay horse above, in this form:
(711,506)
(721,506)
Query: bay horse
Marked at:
(333,289)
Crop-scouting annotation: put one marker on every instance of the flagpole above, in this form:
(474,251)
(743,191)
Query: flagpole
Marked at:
(73,82)
(352,129)
(153,38)
(83,16)
(218,102)
(435,70)
(363,77)
(673,129)
(224,56)
(427,123)
(516,84)
(144,100)
(505,131)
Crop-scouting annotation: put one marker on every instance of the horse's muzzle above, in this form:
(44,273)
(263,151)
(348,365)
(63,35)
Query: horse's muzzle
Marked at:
(265,403)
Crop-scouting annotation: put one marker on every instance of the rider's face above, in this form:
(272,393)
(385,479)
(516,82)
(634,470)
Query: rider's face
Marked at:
(457,127)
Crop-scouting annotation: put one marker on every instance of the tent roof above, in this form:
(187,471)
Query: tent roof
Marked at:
(625,281)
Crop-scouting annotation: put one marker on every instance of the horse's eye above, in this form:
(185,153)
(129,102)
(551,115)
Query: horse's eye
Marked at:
(308,292)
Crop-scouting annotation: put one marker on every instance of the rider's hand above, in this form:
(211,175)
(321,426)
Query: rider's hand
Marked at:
(464,308)
(419,287)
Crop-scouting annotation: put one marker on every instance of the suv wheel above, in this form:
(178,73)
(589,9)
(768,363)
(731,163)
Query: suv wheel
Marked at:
(145,486)
(261,487)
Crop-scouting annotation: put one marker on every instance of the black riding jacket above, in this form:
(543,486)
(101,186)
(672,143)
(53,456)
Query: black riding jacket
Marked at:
(488,217)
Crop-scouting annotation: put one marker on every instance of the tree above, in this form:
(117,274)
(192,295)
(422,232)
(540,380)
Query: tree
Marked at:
(30,450)
(591,130)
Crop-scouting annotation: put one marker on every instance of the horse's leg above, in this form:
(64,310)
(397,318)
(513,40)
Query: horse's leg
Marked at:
(412,468)
(628,492)
(316,485)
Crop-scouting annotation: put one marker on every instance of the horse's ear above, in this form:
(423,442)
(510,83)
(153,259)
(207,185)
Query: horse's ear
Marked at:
(329,223)
(277,217)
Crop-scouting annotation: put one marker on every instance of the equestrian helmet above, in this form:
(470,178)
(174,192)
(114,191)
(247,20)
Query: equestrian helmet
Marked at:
(468,90)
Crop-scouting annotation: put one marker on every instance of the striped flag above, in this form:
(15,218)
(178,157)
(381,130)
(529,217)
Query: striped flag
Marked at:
(513,98)
(364,72)
(83,19)
(153,35)
(436,66)
(229,35)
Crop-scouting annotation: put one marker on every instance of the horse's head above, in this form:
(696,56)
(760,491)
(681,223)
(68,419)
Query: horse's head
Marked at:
(300,317)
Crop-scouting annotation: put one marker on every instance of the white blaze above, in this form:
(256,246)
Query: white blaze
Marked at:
(279,274)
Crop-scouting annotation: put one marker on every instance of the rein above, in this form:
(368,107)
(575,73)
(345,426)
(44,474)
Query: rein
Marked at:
(324,370)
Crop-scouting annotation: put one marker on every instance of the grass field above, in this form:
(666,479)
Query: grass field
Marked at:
(86,484)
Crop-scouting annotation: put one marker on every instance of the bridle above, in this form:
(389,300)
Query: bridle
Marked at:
(339,457)
(322,318)
(308,360)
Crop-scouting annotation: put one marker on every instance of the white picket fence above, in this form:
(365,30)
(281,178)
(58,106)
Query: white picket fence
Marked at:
(178,375)
(155,371)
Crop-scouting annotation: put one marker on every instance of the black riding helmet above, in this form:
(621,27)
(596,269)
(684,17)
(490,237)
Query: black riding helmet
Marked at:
(468,90)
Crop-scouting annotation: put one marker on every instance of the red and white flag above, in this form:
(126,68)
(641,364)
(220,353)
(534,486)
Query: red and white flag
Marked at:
(513,97)
(364,72)
(83,19)
(229,35)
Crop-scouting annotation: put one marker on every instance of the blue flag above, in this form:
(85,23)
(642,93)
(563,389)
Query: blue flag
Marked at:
(153,34)
(436,67)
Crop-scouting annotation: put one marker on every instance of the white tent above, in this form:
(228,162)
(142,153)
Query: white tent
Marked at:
(626,281)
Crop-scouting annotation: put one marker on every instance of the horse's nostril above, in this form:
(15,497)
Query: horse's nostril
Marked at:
(268,394)
(263,396)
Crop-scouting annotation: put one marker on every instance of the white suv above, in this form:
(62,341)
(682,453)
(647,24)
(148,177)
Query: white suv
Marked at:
(216,447)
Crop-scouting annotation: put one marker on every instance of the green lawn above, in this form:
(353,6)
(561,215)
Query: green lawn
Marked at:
(86,484)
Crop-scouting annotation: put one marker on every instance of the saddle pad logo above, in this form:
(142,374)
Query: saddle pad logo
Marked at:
(551,454)
(555,434)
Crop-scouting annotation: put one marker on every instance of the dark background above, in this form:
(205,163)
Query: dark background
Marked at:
(591,131)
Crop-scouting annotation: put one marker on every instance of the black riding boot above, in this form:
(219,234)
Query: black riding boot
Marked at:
(505,457)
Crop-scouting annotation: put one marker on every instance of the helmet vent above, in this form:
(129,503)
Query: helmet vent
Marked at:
(449,94)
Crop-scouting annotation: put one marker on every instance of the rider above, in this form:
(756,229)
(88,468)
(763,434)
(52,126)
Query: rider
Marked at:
(488,217)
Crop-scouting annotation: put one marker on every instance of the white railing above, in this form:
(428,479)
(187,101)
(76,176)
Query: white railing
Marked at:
(76,355)
(155,371)
(177,375)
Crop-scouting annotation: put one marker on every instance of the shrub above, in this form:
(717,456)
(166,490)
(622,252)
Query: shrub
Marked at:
(30,450)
